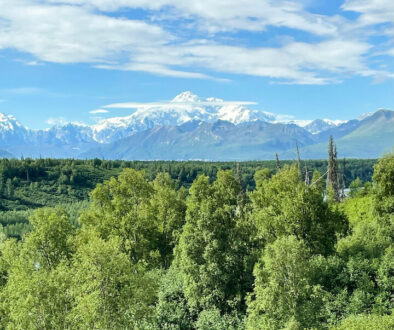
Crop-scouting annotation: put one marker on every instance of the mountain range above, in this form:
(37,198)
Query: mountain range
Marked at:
(190,127)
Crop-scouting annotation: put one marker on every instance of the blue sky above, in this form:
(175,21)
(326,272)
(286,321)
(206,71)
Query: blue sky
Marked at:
(62,59)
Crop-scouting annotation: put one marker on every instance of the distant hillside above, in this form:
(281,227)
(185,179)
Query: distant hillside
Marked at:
(206,141)
(371,138)
(368,138)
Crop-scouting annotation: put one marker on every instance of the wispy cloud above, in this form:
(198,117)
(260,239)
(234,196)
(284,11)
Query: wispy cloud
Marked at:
(94,32)
(371,11)
(31,91)
(229,15)
(172,104)
(23,90)
(72,34)
(98,111)
(29,62)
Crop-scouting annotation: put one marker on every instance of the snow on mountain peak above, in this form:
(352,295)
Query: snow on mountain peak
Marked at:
(9,122)
(187,106)
(185,97)
(319,125)
(183,108)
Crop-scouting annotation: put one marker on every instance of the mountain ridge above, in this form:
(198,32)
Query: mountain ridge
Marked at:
(201,120)
(248,141)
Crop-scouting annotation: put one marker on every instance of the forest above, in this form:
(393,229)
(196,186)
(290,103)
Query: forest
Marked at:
(28,184)
(94,244)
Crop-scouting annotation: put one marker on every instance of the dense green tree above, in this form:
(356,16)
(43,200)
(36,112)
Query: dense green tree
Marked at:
(284,205)
(213,256)
(366,322)
(284,294)
(50,239)
(35,294)
(10,188)
(167,211)
(107,289)
(148,217)
(148,255)
(261,176)
(120,207)
(383,179)
(35,298)
(173,310)
(355,187)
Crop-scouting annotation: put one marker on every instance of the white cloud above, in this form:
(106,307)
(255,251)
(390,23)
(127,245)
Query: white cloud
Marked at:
(171,104)
(23,90)
(68,34)
(155,68)
(29,63)
(75,31)
(33,63)
(372,11)
(228,15)
(97,111)
(296,62)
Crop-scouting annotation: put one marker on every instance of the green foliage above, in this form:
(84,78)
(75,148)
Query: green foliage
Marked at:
(120,208)
(358,209)
(383,179)
(284,293)
(108,291)
(355,187)
(167,212)
(35,298)
(213,256)
(35,289)
(284,205)
(30,184)
(184,250)
(213,319)
(50,238)
(173,311)
(367,322)
(146,217)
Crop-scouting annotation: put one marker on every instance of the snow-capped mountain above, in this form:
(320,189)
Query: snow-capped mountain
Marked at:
(182,108)
(256,140)
(185,112)
(11,130)
(320,125)
(70,133)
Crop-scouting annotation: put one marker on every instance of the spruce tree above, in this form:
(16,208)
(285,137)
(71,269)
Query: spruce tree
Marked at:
(332,171)
(277,162)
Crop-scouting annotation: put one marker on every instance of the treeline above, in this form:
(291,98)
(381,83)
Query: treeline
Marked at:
(150,254)
(29,183)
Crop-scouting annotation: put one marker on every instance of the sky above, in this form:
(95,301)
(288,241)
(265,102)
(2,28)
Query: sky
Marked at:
(65,60)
